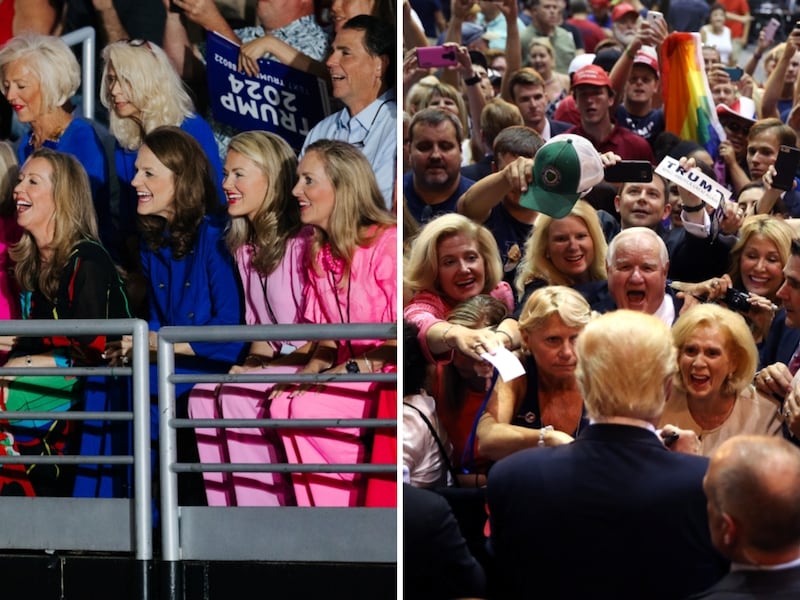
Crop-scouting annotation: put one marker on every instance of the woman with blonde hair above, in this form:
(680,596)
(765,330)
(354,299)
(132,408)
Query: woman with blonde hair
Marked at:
(268,240)
(143,91)
(39,75)
(64,273)
(756,268)
(453,259)
(712,391)
(544,408)
(570,251)
(352,278)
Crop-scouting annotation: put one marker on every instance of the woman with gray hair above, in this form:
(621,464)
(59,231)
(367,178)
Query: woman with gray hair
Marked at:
(712,391)
(40,74)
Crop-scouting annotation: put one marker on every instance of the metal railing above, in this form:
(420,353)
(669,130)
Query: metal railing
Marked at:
(86,37)
(96,524)
(292,534)
(273,534)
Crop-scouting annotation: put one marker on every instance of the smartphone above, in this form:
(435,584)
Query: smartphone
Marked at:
(770,29)
(735,73)
(654,15)
(174,7)
(640,171)
(436,56)
(786,167)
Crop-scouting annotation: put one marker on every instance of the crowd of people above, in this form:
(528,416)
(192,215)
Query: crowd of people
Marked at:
(655,329)
(157,210)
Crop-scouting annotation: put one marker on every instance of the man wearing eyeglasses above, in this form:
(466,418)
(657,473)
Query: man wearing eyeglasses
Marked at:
(362,70)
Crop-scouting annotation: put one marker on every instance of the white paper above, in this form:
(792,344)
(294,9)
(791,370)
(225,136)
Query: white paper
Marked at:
(506,363)
(694,181)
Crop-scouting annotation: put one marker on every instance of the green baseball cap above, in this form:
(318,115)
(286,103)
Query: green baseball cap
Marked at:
(564,169)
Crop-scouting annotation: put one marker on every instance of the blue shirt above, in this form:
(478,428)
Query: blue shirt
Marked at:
(199,289)
(373,131)
(423,212)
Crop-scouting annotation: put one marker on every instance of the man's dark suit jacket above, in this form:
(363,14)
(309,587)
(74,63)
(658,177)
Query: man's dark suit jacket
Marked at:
(755,585)
(780,343)
(557,127)
(436,561)
(613,515)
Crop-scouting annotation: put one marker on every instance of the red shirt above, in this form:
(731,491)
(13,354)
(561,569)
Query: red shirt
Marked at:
(591,33)
(629,145)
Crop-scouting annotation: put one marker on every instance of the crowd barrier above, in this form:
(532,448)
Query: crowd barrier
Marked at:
(120,525)
(192,533)
(290,534)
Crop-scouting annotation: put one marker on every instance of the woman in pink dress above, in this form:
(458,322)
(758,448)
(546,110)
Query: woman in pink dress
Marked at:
(270,244)
(352,278)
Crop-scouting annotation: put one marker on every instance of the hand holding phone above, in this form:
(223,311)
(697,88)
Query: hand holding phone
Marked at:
(629,171)
(786,167)
(770,29)
(434,57)
(735,73)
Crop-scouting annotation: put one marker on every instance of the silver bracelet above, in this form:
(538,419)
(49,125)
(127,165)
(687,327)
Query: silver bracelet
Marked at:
(444,335)
(508,335)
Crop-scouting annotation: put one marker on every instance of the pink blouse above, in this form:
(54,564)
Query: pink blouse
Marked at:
(369,295)
(278,297)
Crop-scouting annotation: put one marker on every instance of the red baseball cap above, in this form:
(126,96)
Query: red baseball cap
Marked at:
(599,3)
(622,9)
(648,59)
(591,75)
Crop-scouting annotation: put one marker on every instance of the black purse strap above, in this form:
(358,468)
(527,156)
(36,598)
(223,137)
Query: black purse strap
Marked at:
(445,457)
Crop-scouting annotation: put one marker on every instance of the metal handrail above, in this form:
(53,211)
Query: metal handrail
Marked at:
(140,374)
(169,468)
(87,38)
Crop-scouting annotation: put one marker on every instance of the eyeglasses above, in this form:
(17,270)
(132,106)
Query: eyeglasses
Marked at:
(360,143)
(735,127)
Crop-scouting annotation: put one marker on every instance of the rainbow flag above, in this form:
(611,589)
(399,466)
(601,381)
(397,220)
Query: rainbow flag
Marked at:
(689,109)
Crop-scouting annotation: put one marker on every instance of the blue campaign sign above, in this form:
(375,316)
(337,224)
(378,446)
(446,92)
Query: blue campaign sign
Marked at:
(280,99)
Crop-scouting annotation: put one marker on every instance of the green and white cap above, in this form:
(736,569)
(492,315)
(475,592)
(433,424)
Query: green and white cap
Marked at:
(564,169)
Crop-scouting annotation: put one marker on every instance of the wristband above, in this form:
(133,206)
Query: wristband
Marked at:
(474,80)
(255,357)
(693,209)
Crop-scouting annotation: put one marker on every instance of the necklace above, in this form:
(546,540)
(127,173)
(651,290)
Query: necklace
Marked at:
(339,306)
(272,317)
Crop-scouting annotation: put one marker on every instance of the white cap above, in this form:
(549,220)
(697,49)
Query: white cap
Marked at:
(580,61)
